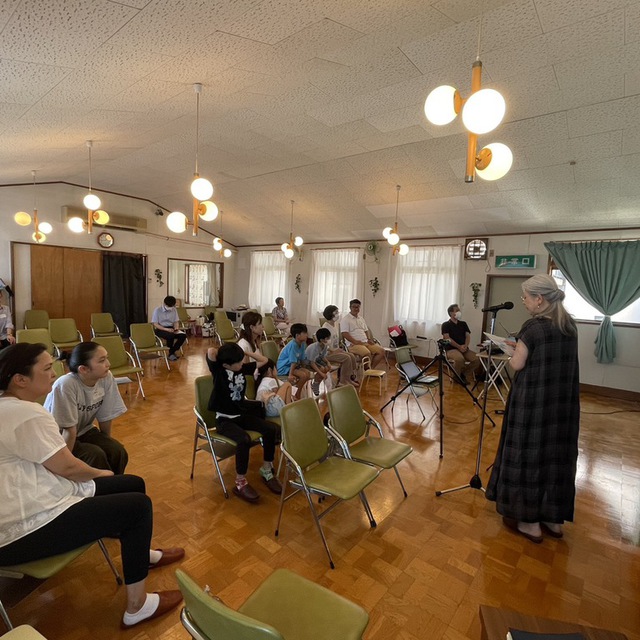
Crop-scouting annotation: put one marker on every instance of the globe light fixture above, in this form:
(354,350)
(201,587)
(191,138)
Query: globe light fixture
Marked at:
(289,248)
(483,111)
(440,105)
(391,233)
(177,222)
(218,245)
(40,229)
(495,160)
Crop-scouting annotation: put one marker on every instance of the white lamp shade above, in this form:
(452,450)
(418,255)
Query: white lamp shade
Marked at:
(217,245)
(92,202)
(45,227)
(100,216)
(483,111)
(403,249)
(501,161)
(393,239)
(386,232)
(201,189)
(298,241)
(177,222)
(227,253)
(210,211)
(76,224)
(22,218)
(439,105)
(284,246)
(38,237)
(288,253)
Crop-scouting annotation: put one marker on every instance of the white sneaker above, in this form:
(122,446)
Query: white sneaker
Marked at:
(173,357)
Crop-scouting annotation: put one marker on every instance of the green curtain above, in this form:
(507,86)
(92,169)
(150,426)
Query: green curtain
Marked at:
(607,274)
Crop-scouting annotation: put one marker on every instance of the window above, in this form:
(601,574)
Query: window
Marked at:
(426,283)
(196,284)
(580,309)
(334,280)
(268,279)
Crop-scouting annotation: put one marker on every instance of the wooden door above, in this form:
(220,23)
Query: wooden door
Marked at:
(82,287)
(47,283)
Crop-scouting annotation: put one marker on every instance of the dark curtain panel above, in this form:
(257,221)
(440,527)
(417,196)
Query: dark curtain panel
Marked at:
(124,289)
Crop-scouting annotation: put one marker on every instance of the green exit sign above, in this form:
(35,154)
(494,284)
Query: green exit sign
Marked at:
(516,262)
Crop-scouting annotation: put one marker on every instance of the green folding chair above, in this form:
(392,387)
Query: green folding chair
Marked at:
(64,333)
(36,319)
(271,332)
(224,329)
(122,363)
(37,336)
(144,341)
(102,324)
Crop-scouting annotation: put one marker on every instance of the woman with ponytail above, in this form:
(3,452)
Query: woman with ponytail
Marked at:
(533,476)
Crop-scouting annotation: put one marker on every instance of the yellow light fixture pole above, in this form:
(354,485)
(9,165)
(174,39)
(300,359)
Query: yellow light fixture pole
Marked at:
(391,234)
(289,248)
(201,190)
(24,219)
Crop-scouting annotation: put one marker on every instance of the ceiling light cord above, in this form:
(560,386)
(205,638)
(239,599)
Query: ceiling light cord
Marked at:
(198,89)
(89,145)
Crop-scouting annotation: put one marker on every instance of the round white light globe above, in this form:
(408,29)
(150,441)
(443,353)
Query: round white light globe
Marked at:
(45,227)
(501,161)
(38,237)
(22,218)
(284,246)
(483,111)
(92,202)
(386,231)
(217,245)
(298,241)
(177,222)
(288,253)
(393,239)
(210,211)
(100,216)
(439,105)
(403,249)
(227,253)
(201,189)
(76,225)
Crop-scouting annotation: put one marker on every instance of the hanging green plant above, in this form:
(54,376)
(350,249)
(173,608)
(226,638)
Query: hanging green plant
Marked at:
(297,283)
(159,277)
(374,283)
(475,288)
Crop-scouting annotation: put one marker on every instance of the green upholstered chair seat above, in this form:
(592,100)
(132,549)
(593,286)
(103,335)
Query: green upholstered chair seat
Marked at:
(122,362)
(46,567)
(152,349)
(225,447)
(381,452)
(64,333)
(119,372)
(340,477)
(67,345)
(102,325)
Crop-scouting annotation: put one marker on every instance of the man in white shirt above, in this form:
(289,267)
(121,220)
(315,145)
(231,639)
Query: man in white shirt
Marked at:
(358,337)
(166,325)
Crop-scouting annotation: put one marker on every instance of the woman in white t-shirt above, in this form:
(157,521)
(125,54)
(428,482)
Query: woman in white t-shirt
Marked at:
(251,334)
(62,503)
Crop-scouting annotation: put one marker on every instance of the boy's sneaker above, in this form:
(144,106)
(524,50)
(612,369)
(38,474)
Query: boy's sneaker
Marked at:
(173,357)
(271,481)
(315,387)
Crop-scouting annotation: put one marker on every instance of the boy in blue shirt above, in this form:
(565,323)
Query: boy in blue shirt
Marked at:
(292,359)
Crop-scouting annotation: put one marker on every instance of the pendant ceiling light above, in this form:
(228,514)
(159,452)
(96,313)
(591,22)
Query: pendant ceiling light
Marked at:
(289,248)
(91,201)
(481,112)
(41,229)
(391,234)
(218,244)
(201,190)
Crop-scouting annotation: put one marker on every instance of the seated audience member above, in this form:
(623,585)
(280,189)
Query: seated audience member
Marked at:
(63,503)
(79,398)
(292,358)
(357,336)
(316,355)
(457,332)
(166,325)
(250,338)
(281,315)
(273,393)
(7,336)
(235,416)
(345,360)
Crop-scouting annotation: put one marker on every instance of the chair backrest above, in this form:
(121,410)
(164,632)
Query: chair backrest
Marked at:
(208,310)
(219,317)
(346,413)
(63,330)
(225,329)
(403,354)
(102,323)
(36,336)
(303,434)
(36,319)
(215,621)
(142,334)
(115,350)
(269,325)
(366,363)
(269,349)
(203,389)
(183,316)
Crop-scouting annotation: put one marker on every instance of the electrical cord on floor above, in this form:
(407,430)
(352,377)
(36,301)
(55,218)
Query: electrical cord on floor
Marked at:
(608,413)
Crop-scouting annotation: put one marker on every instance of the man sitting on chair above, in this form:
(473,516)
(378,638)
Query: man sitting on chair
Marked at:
(359,340)
(459,355)
(166,325)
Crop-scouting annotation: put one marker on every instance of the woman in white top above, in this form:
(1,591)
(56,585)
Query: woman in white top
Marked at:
(251,334)
(51,502)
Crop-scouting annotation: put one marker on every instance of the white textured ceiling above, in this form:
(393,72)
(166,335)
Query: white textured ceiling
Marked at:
(320,101)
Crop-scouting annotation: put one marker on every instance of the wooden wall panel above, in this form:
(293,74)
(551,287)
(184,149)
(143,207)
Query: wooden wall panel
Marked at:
(82,286)
(47,286)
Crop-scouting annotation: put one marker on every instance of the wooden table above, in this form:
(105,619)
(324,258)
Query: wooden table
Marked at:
(496,623)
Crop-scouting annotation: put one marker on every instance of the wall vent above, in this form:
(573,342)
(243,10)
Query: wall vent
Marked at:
(116,220)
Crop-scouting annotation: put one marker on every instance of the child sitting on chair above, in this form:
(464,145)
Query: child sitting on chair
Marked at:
(271,392)
(292,358)
(316,355)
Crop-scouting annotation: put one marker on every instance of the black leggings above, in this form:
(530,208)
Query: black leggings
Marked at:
(120,509)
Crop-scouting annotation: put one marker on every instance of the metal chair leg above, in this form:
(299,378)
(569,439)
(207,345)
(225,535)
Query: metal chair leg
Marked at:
(319,526)
(400,481)
(195,449)
(107,556)
(284,488)
(367,508)
(5,616)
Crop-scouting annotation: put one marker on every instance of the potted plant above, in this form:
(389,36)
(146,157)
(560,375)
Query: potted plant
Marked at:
(475,288)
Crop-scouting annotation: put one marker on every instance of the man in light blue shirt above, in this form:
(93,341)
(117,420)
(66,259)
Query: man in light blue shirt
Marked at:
(166,325)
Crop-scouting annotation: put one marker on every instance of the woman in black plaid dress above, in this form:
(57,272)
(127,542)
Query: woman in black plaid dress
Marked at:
(533,476)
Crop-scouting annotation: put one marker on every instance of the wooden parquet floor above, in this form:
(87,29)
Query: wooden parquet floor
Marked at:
(426,568)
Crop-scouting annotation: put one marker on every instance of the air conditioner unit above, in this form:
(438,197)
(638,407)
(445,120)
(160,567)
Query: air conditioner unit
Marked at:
(116,220)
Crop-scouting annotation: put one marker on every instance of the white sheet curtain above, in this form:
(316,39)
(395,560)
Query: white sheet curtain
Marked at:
(268,279)
(426,283)
(335,278)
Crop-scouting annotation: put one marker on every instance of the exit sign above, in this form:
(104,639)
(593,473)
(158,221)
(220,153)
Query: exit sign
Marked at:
(516,262)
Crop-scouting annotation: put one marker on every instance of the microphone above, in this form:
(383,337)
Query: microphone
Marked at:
(498,307)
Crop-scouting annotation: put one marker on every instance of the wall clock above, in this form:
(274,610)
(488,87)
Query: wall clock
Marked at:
(476,248)
(105,240)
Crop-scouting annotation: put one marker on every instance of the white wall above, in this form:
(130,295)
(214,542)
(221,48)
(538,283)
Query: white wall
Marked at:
(155,244)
